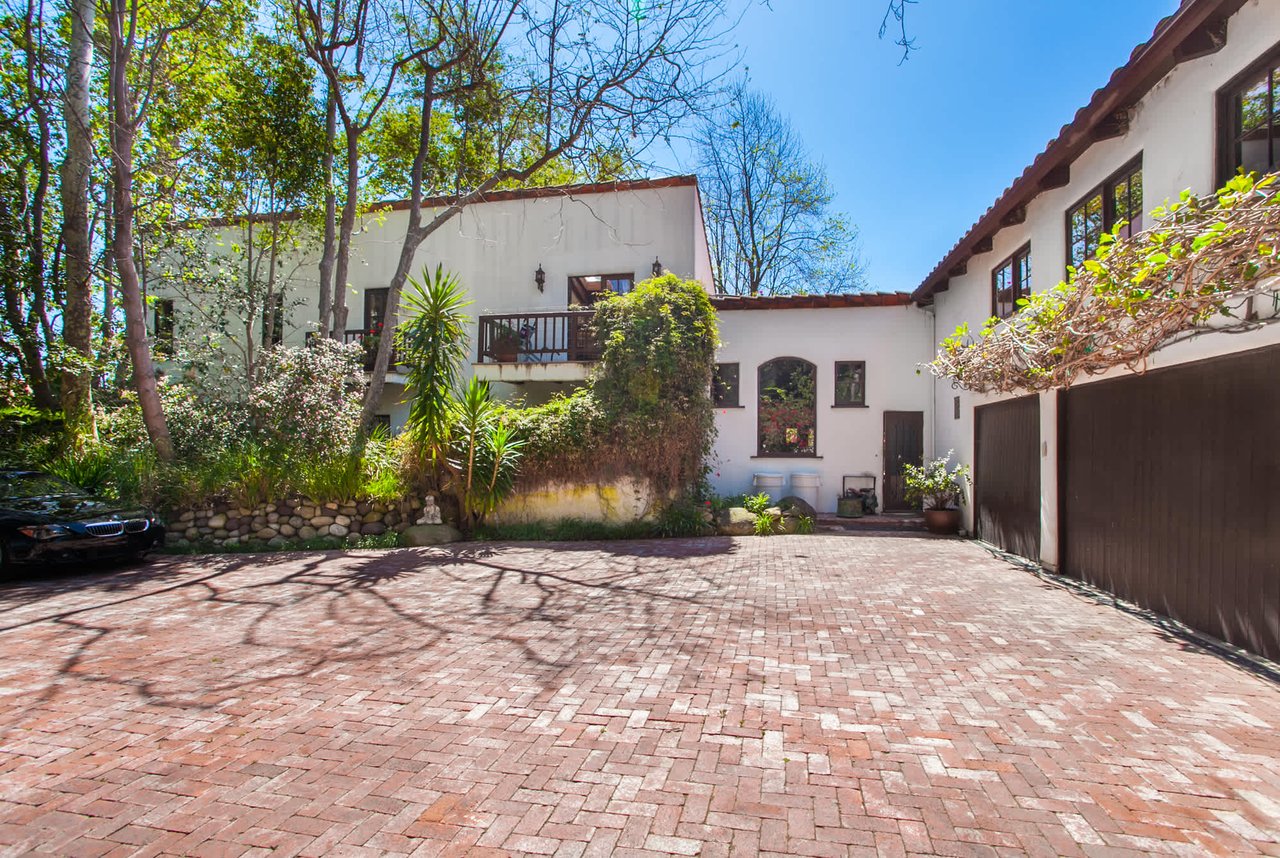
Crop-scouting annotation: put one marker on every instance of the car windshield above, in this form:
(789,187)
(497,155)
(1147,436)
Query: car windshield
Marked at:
(34,485)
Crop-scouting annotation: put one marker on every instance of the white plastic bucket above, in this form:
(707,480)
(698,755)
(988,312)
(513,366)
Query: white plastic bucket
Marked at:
(805,487)
(770,484)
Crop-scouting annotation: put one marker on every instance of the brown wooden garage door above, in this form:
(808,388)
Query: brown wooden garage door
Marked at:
(1006,478)
(1171,493)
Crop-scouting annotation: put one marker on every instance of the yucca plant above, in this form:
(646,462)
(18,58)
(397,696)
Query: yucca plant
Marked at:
(456,431)
(433,344)
(485,454)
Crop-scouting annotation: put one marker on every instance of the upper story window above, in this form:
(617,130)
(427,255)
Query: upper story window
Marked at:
(375,309)
(1115,204)
(273,322)
(1249,120)
(163,326)
(725,387)
(1011,281)
(587,289)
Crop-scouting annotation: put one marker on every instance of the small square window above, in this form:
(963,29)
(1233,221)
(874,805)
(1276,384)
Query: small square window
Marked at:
(851,383)
(724,386)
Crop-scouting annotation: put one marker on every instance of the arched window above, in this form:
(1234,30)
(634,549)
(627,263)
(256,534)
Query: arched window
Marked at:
(787,408)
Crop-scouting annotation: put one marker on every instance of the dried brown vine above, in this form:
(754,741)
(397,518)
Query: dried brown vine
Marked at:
(1208,264)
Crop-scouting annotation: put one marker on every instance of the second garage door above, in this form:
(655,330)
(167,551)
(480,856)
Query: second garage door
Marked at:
(1006,479)
(1171,493)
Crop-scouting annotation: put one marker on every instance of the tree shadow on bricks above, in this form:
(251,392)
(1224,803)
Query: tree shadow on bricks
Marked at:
(214,638)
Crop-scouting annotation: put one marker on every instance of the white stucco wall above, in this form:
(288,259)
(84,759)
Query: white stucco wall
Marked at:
(1174,127)
(892,341)
(495,248)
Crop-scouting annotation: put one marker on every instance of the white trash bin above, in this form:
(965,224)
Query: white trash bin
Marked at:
(805,487)
(770,484)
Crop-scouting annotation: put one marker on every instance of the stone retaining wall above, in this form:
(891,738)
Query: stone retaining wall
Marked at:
(275,524)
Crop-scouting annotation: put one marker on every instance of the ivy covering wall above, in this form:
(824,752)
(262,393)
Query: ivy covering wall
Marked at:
(646,410)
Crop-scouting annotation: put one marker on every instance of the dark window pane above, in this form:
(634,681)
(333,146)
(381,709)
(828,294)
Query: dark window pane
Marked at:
(851,382)
(1254,131)
(1253,105)
(724,385)
(1002,284)
(1136,204)
(787,407)
(1022,262)
(375,310)
(163,326)
(587,289)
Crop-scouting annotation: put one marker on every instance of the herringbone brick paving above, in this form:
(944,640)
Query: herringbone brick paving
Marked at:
(819,695)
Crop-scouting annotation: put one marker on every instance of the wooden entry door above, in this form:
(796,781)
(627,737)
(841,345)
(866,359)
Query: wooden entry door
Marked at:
(903,444)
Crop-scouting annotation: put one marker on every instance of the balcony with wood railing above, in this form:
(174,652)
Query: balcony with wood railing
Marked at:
(533,346)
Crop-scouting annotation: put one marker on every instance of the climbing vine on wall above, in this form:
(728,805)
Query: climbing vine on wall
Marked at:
(646,411)
(1207,264)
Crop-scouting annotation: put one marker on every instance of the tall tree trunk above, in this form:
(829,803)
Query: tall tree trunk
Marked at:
(77,318)
(345,228)
(122,135)
(330,214)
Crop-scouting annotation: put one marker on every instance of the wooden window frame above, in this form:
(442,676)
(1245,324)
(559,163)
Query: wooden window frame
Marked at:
(737,385)
(1023,255)
(835,385)
(274,337)
(163,323)
(1224,122)
(629,276)
(761,453)
(1105,188)
(368,307)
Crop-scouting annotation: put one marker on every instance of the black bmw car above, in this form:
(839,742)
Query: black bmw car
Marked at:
(46,520)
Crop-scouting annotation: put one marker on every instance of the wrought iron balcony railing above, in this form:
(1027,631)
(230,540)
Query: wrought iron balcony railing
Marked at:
(554,337)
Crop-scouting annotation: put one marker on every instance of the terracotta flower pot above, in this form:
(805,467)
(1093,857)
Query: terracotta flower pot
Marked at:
(942,521)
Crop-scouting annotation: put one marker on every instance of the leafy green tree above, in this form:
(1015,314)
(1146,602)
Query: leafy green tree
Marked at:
(264,162)
(532,85)
(28,197)
(75,173)
(155,52)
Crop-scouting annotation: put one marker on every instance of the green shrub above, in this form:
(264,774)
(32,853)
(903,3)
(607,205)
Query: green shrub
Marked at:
(646,411)
(682,518)
(764,525)
(756,503)
(29,436)
(805,524)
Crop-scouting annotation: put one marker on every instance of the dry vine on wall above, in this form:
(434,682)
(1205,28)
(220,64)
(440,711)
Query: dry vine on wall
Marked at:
(1207,264)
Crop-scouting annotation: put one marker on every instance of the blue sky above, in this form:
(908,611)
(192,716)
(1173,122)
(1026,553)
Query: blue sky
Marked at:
(917,152)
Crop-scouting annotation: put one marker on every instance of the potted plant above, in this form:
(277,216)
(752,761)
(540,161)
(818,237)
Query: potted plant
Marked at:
(939,490)
(504,342)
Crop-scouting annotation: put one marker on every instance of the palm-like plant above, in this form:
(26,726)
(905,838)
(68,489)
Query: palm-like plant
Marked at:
(433,344)
(485,454)
(458,430)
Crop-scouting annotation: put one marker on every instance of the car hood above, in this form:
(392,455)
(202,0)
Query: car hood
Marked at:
(62,508)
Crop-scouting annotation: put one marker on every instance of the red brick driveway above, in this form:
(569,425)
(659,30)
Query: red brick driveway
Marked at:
(821,695)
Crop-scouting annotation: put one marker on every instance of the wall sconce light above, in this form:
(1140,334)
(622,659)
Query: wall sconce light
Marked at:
(540,277)
(657,267)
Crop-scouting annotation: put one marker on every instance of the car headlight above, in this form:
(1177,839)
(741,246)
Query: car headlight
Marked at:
(43,531)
